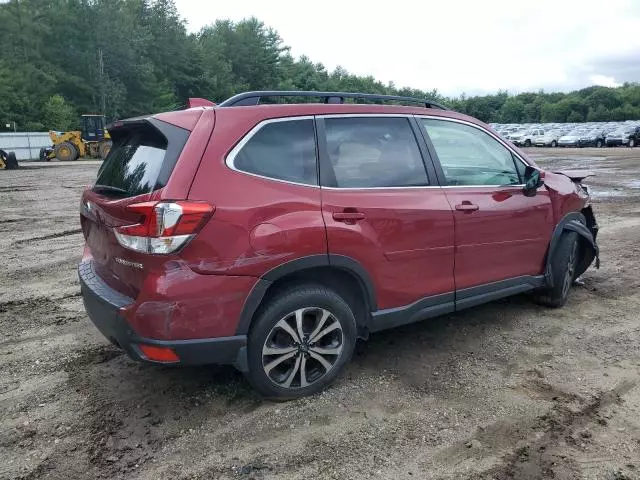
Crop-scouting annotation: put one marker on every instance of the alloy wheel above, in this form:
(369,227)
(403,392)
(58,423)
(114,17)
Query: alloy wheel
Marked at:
(302,347)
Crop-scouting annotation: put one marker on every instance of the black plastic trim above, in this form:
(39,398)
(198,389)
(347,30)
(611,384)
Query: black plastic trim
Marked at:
(349,264)
(433,155)
(311,261)
(341,262)
(420,310)
(576,222)
(427,160)
(327,173)
(251,305)
(470,297)
(253,98)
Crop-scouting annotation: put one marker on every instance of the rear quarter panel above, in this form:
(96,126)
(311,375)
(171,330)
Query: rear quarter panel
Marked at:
(258,223)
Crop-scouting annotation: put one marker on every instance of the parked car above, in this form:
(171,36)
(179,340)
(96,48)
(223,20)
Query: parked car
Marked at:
(525,138)
(572,138)
(627,135)
(549,138)
(271,237)
(593,138)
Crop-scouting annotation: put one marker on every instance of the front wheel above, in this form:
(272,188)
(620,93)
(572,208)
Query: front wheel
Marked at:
(527,143)
(563,271)
(554,144)
(632,142)
(599,143)
(66,151)
(300,342)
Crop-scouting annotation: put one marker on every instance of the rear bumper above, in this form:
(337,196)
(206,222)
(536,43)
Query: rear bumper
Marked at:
(103,305)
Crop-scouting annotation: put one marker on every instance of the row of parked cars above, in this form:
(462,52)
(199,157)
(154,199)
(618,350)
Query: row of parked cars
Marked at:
(610,134)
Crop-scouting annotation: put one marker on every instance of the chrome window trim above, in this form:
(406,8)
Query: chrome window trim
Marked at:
(231,156)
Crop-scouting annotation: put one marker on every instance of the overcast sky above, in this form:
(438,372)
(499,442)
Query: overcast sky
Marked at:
(472,46)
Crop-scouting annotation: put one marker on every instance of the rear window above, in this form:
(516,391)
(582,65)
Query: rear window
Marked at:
(282,150)
(134,163)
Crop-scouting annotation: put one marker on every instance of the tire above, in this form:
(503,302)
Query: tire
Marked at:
(527,143)
(599,144)
(11,163)
(278,376)
(632,142)
(554,144)
(563,270)
(66,151)
(103,149)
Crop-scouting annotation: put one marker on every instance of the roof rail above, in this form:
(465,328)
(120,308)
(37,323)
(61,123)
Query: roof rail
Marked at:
(253,98)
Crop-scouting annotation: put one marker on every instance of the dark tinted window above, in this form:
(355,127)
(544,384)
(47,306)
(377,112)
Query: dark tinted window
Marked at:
(134,161)
(469,156)
(374,152)
(284,150)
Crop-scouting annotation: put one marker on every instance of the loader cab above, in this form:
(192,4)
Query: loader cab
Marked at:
(93,128)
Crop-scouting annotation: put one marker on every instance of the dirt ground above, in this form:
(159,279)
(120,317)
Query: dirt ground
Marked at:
(509,390)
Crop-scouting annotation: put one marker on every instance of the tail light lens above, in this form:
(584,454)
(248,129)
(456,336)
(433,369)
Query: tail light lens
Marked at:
(164,227)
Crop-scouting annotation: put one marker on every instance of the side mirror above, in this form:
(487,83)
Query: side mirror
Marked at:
(532,181)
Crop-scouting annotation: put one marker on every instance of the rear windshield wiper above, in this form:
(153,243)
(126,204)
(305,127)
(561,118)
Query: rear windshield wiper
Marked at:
(109,189)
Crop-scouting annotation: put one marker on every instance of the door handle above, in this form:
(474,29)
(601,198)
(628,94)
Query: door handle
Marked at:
(467,206)
(348,217)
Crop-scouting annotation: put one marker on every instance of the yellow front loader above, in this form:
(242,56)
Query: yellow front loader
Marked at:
(92,141)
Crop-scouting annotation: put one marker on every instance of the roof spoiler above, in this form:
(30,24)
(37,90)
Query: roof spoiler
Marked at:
(199,102)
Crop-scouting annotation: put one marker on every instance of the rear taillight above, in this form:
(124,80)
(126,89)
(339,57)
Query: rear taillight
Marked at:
(165,226)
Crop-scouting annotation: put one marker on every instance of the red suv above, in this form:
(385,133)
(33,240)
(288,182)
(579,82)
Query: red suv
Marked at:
(272,236)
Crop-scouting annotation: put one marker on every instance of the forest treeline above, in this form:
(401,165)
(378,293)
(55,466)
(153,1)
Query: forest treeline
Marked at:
(62,58)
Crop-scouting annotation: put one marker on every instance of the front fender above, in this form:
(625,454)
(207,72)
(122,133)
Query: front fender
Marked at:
(574,222)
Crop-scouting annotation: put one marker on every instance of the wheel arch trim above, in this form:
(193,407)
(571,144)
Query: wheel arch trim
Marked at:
(571,222)
(339,262)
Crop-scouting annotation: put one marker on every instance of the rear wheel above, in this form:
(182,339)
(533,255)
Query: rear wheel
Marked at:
(300,342)
(632,142)
(599,143)
(66,151)
(563,271)
(554,144)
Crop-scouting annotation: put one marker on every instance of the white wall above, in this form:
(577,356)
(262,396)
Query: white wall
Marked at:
(26,145)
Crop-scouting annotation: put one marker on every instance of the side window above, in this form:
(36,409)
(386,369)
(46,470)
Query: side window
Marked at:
(470,156)
(368,152)
(283,150)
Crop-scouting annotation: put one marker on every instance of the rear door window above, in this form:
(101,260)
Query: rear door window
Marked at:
(374,152)
(282,150)
(134,162)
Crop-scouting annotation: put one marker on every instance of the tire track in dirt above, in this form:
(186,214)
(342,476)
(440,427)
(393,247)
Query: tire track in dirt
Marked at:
(49,237)
(544,456)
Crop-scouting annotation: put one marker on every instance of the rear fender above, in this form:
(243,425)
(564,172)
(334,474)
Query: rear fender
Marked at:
(575,222)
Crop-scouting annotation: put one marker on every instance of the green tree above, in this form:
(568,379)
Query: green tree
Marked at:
(58,114)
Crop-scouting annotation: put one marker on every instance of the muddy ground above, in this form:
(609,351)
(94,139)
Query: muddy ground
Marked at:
(509,390)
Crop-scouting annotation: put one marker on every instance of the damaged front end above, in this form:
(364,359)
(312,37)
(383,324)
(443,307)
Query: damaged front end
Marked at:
(583,222)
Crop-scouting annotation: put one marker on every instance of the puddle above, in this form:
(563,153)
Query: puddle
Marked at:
(597,193)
